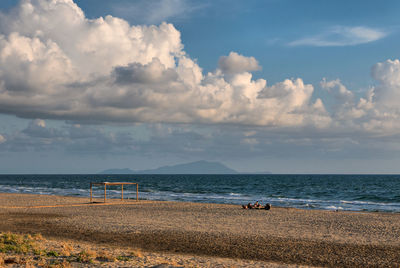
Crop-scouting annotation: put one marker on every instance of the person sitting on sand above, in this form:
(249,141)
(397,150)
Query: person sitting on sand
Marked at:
(248,206)
(257,206)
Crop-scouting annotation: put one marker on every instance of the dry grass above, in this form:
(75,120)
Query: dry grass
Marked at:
(31,250)
(86,256)
(66,249)
(64,264)
(136,253)
(124,258)
(59,264)
(14,243)
(36,237)
(174,263)
(105,256)
(53,254)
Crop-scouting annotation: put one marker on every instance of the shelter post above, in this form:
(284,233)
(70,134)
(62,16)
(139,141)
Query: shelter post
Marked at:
(105,192)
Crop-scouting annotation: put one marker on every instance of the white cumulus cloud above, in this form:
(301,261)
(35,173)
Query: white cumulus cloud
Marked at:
(235,63)
(57,64)
(378,111)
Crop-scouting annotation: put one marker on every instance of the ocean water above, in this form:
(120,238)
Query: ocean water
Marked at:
(327,192)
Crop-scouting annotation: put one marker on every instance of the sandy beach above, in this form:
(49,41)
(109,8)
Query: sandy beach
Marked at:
(227,234)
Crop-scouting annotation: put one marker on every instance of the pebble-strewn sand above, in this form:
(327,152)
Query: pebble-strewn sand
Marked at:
(291,236)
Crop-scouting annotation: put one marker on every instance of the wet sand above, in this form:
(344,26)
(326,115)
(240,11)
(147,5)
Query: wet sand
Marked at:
(281,235)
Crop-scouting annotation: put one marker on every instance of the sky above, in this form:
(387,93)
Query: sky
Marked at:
(283,86)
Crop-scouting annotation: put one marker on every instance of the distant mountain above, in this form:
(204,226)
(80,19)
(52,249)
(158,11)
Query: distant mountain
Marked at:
(199,167)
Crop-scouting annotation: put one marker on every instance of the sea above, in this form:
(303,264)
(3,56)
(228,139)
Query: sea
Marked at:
(325,192)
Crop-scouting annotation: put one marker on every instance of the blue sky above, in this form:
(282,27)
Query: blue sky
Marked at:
(282,86)
(264,28)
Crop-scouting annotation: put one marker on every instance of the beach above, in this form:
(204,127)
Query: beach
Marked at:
(281,236)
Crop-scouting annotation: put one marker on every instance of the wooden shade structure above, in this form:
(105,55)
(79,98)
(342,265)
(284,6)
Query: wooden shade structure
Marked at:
(113,183)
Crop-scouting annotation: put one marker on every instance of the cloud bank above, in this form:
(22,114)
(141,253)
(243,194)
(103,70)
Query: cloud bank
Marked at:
(57,64)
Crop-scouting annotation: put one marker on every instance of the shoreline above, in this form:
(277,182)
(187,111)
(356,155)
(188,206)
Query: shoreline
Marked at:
(281,235)
(111,199)
(321,192)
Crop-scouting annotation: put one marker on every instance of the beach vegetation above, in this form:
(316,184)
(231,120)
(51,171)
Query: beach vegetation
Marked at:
(52,253)
(27,263)
(30,248)
(36,237)
(105,256)
(124,258)
(39,252)
(15,243)
(19,250)
(58,264)
(136,253)
(66,249)
(41,262)
(86,256)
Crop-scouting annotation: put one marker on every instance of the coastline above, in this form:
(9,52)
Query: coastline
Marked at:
(281,235)
(326,192)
